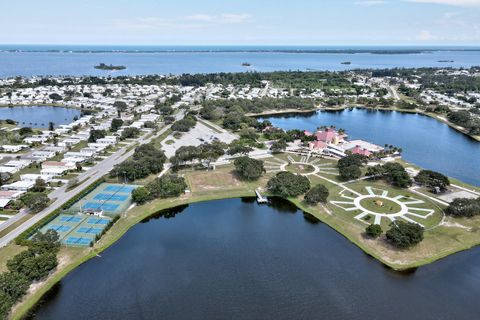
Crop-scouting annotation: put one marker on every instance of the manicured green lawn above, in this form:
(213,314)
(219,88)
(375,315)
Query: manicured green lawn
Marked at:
(380,205)
(300,168)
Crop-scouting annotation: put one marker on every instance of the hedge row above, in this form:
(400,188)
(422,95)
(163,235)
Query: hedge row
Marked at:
(23,238)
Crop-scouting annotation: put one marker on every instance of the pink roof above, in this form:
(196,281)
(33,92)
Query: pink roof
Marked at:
(327,136)
(359,150)
(7,194)
(53,163)
(307,133)
(317,145)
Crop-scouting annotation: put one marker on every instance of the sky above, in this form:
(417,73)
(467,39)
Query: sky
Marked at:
(241,22)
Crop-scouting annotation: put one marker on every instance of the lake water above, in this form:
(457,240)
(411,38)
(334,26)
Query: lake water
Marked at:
(231,259)
(39,116)
(425,141)
(78,61)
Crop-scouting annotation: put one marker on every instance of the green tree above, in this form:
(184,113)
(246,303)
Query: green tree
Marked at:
(248,169)
(96,134)
(35,201)
(55,97)
(39,186)
(129,133)
(350,172)
(6,304)
(116,124)
(14,284)
(432,180)
(51,126)
(287,184)
(33,266)
(238,147)
(464,207)
(167,186)
(25,131)
(121,106)
(374,231)
(140,195)
(318,193)
(405,234)
(278,146)
(352,160)
(185,124)
(396,174)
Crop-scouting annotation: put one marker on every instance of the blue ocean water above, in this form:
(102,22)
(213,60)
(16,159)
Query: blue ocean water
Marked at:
(28,60)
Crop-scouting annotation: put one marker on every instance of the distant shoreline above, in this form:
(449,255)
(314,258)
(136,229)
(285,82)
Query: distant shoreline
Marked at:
(236,49)
(53,105)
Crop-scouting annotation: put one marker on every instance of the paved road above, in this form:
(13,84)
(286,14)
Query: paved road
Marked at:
(62,195)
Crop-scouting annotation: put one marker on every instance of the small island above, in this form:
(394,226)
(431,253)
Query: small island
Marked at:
(103,66)
(446,61)
(246,64)
(346,62)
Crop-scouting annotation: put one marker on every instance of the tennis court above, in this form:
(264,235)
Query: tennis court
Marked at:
(105,196)
(113,199)
(77,230)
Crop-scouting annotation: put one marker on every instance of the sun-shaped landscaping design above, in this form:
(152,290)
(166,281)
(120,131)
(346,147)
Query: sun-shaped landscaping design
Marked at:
(300,164)
(379,205)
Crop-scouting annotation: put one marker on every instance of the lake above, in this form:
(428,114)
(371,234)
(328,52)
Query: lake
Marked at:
(234,259)
(425,141)
(39,116)
(78,60)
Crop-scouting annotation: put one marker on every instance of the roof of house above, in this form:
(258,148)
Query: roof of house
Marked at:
(360,150)
(326,136)
(318,145)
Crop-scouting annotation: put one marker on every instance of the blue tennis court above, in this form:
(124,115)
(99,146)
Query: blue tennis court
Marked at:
(98,221)
(100,206)
(121,189)
(110,197)
(78,241)
(89,230)
(59,228)
(70,219)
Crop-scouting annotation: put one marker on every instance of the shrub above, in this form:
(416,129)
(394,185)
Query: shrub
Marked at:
(373,230)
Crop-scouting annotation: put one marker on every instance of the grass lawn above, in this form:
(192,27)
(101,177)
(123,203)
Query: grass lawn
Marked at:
(300,168)
(8,252)
(380,205)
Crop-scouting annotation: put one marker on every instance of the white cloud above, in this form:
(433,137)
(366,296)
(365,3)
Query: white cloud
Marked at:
(369,3)
(190,22)
(224,18)
(425,35)
(460,3)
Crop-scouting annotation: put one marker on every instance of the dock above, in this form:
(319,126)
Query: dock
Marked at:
(260,198)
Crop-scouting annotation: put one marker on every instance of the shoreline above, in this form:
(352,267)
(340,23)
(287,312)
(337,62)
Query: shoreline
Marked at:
(119,229)
(359,106)
(53,105)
